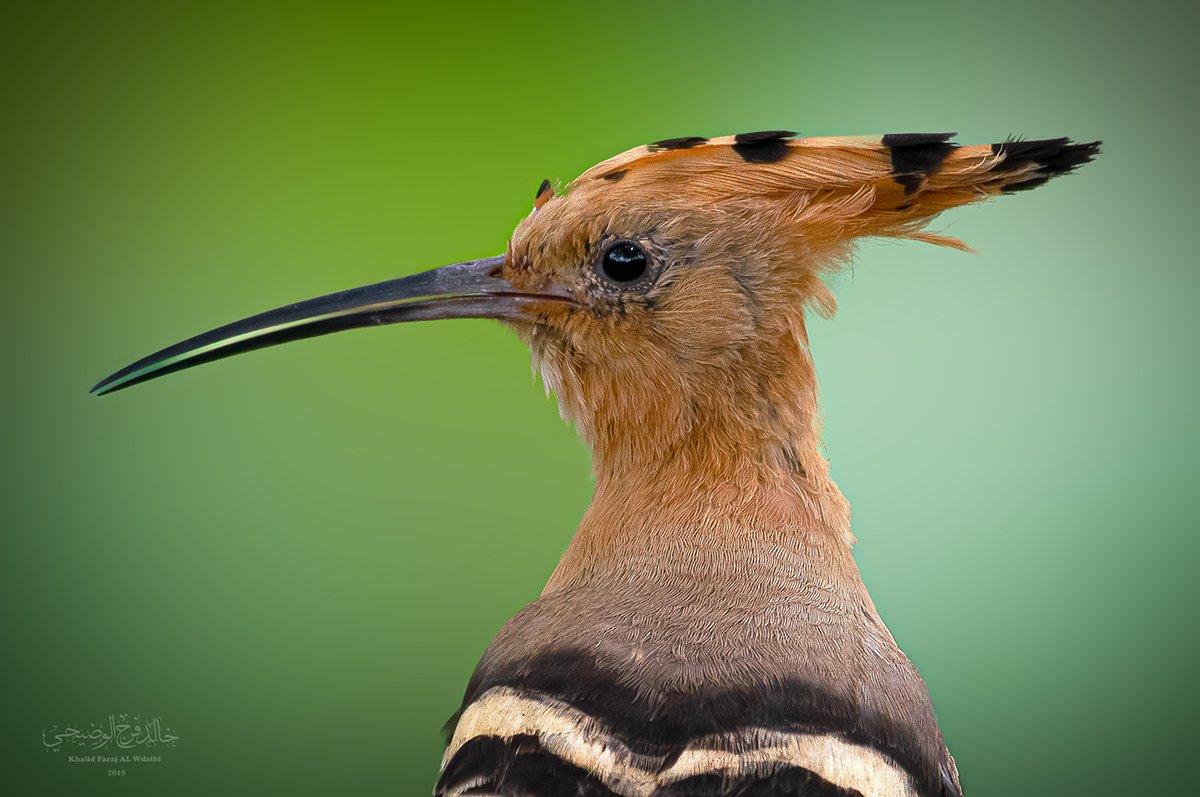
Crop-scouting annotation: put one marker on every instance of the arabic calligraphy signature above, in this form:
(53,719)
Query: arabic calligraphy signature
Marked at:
(121,730)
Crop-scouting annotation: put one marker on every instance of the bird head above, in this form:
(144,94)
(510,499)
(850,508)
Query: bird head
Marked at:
(662,293)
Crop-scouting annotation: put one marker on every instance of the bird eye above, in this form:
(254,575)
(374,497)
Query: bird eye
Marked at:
(624,262)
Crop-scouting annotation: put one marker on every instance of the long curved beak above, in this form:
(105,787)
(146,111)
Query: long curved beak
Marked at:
(472,289)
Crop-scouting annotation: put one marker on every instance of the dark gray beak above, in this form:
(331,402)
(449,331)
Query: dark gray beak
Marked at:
(472,289)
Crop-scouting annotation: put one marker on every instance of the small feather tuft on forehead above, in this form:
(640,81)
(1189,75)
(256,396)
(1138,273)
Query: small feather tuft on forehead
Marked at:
(544,193)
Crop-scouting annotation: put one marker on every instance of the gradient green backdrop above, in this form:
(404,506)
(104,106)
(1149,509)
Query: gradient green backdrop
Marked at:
(296,557)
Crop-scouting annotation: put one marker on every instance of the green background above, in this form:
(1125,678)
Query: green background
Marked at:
(296,557)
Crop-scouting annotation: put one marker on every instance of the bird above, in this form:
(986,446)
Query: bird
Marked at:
(707,631)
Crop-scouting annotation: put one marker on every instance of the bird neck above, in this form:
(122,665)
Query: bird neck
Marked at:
(717,477)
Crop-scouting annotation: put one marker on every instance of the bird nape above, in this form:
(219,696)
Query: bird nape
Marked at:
(707,631)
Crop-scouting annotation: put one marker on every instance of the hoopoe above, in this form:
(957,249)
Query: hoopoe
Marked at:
(707,631)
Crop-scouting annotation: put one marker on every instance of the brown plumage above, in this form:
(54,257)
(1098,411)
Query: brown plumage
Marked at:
(716,551)
(707,631)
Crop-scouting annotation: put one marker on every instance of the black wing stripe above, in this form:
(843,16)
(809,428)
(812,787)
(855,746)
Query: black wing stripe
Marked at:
(792,781)
(516,766)
(664,724)
(519,767)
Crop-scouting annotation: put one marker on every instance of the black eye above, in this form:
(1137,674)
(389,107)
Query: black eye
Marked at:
(624,262)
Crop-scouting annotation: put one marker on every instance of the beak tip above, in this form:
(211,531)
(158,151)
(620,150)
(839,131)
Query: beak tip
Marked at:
(103,387)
